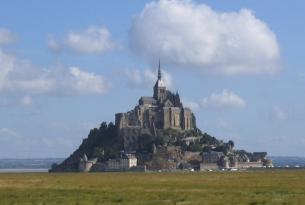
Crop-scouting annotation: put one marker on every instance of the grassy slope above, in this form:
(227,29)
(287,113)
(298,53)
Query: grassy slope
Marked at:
(268,187)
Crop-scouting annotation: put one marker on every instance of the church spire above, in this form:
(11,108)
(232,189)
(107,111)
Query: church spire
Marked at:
(159,71)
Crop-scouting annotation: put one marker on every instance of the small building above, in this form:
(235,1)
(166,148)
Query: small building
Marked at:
(243,157)
(259,156)
(233,161)
(268,163)
(125,162)
(224,162)
(208,166)
(211,157)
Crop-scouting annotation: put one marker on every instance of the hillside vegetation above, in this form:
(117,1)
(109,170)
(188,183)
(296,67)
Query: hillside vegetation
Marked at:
(105,143)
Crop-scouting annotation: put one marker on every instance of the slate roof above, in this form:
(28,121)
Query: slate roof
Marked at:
(147,100)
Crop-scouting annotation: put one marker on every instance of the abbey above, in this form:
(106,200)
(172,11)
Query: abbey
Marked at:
(163,110)
(158,134)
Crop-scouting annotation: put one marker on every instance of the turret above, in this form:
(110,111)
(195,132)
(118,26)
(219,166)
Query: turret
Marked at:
(177,101)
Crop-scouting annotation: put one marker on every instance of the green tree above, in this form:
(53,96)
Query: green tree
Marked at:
(194,147)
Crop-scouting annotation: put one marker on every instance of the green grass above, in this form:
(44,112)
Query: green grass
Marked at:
(251,188)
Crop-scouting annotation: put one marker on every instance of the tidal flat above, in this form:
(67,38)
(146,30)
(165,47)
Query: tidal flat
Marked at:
(270,187)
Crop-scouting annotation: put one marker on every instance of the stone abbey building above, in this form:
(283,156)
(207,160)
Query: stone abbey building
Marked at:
(163,110)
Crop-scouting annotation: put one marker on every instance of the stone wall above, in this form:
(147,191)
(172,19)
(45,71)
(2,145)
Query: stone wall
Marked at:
(192,156)
(246,165)
(85,166)
(208,166)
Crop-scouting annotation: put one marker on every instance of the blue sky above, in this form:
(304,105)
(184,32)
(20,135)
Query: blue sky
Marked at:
(65,67)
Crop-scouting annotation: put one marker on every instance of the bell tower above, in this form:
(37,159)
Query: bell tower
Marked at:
(159,88)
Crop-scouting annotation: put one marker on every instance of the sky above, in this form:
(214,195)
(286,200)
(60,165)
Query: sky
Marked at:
(66,66)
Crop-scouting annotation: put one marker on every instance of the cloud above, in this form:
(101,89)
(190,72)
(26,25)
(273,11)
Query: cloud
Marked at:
(84,82)
(146,78)
(224,99)
(222,124)
(285,113)
(91,40)
(26,101)
(19,76)
(6,36)
(185,34)
(195,106)
(278,113)
(54,45)
(9,101)
(9,137)
(6,133)
(6,66)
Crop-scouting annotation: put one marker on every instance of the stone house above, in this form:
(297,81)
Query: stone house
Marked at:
(211,157)
(125,162)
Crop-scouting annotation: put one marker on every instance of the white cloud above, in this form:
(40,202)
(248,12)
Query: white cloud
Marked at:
(54,45)
(35,84)
(146,78)
(6,133)
(191,104)
(6,66)
(82,126)
(91,40)
(84,82)
(186,34)
(11,136)
(134,77)
(222,124)
(19,76)
(6,36)
(26,101)
(279,113)
(224,99)
(9,101)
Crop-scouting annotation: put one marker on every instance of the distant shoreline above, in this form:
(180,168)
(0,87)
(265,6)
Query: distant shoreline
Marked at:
(3,171)
(29,171)
(42,165)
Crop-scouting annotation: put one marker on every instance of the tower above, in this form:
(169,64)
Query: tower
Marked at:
(159,88)
(159,72)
